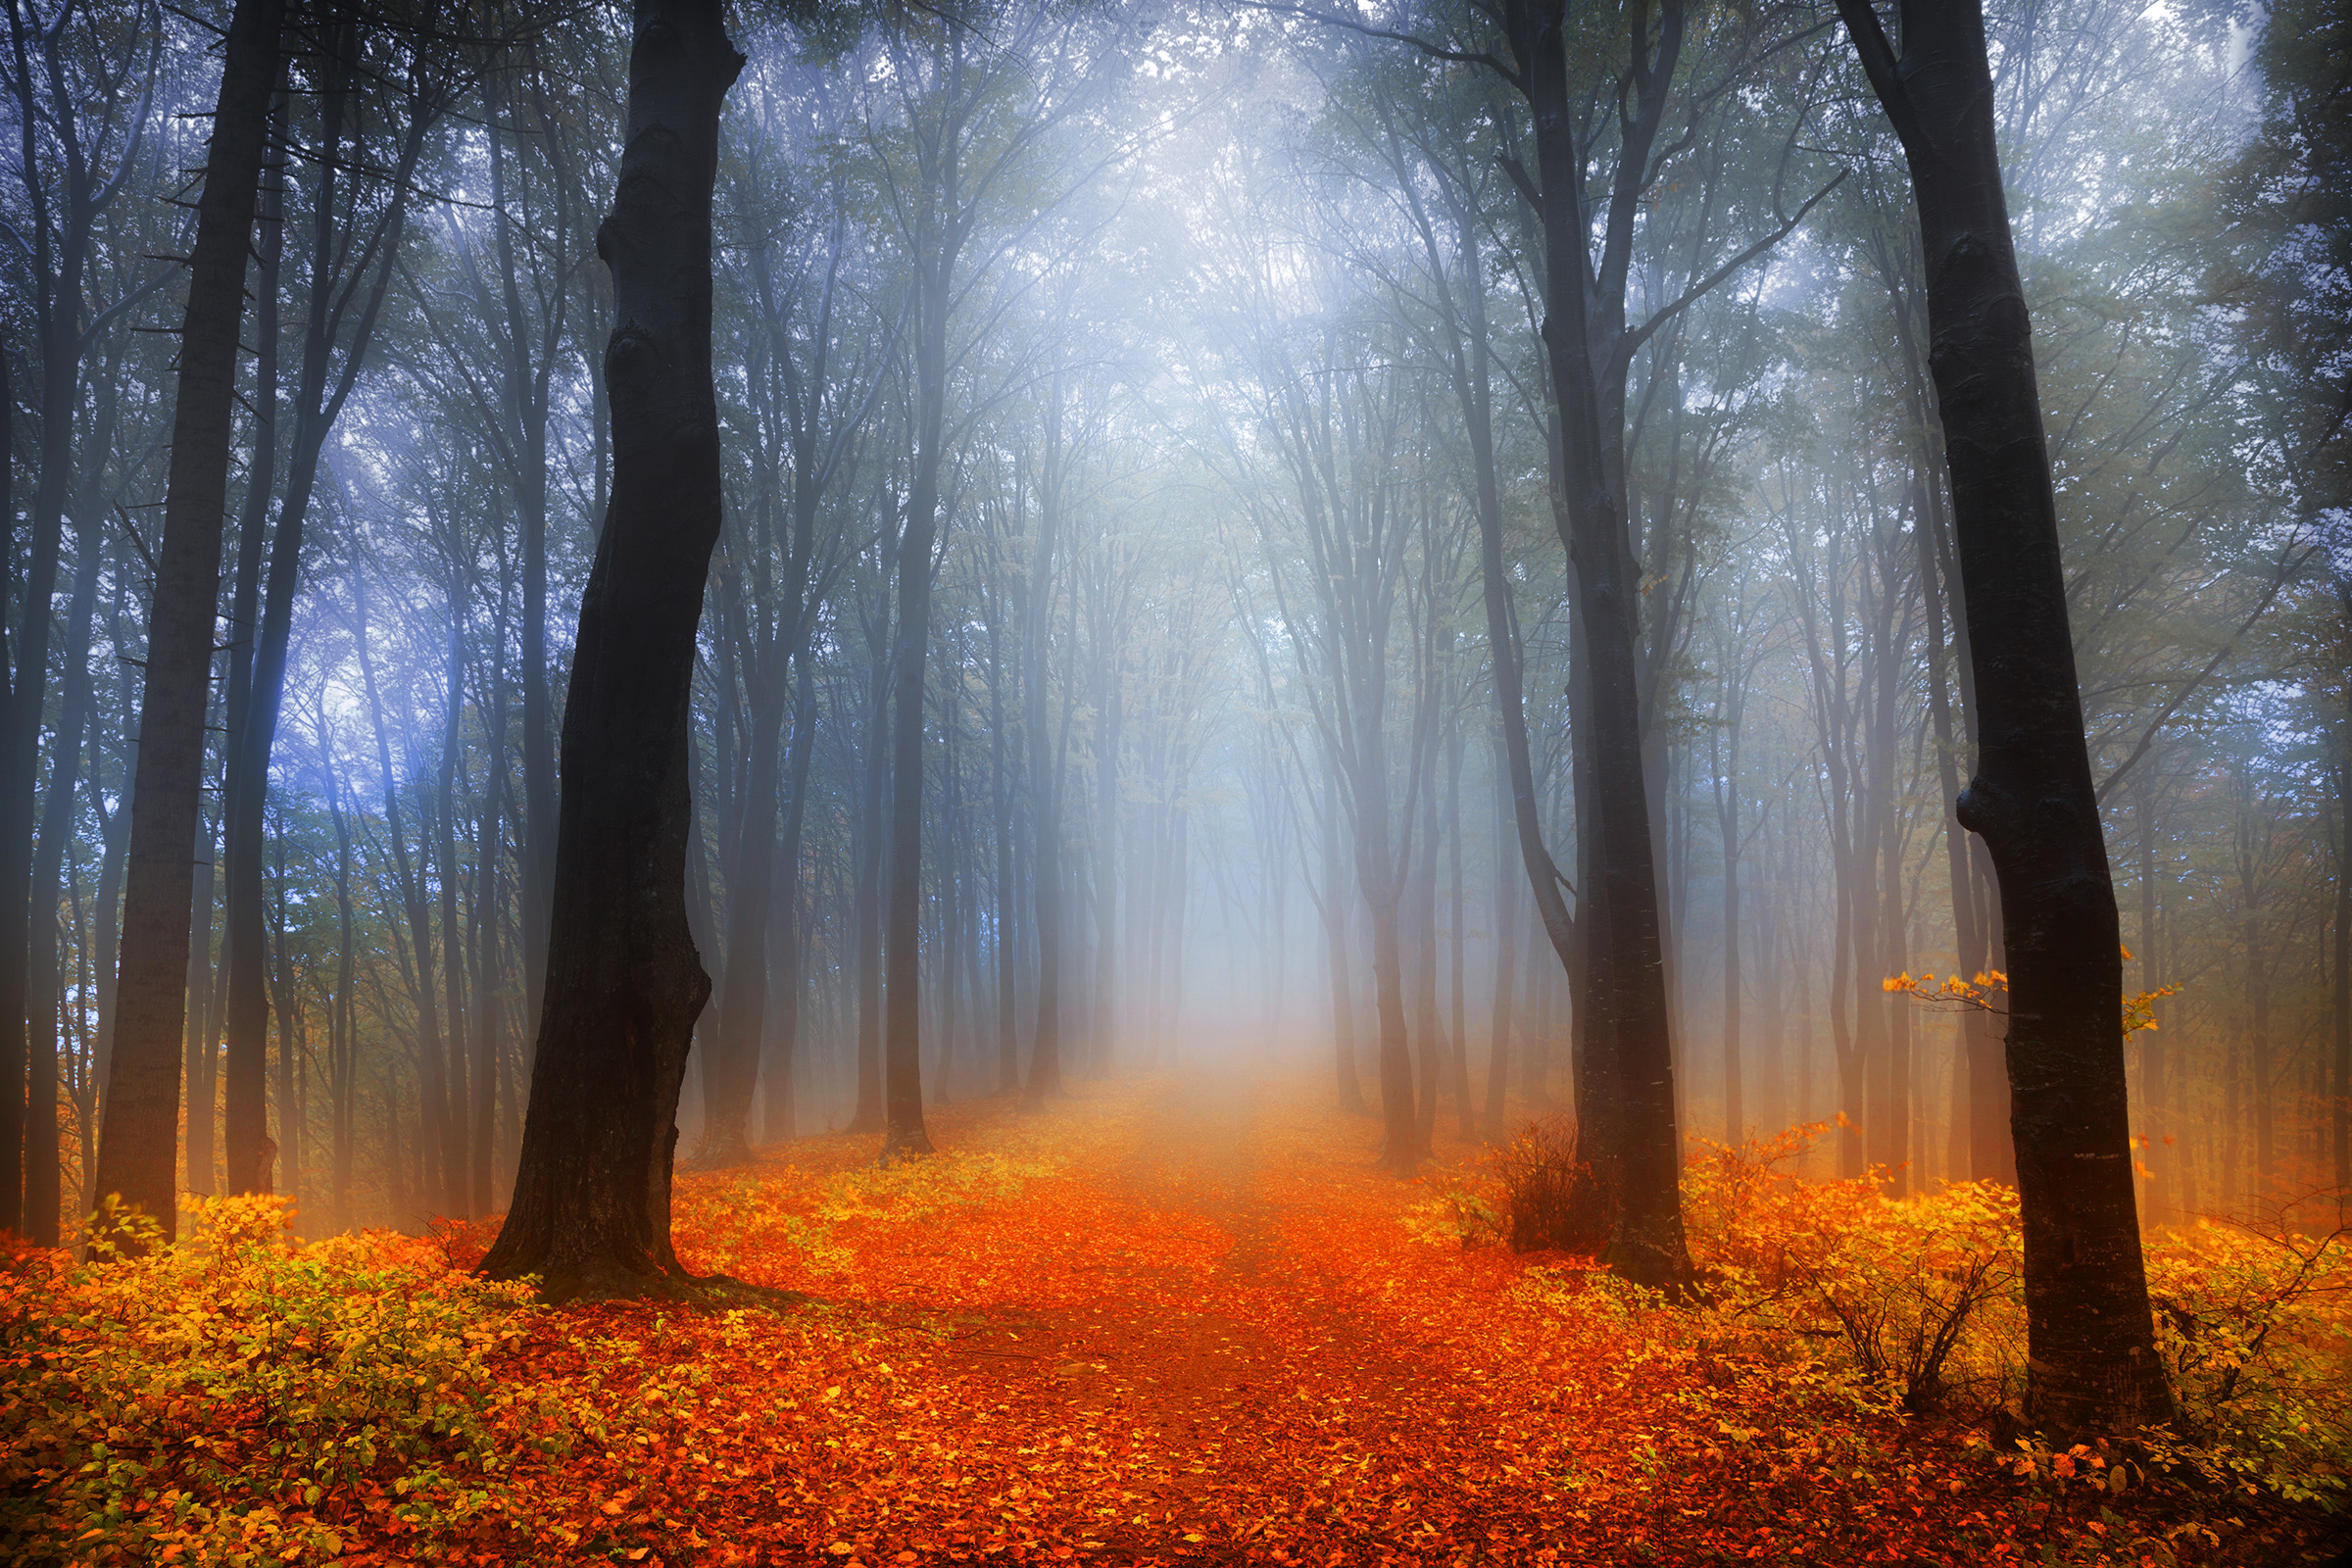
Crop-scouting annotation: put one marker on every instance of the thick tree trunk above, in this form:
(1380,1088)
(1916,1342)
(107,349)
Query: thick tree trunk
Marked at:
(141,1134)
(1624,941)
(2091,1340)
(591,1207)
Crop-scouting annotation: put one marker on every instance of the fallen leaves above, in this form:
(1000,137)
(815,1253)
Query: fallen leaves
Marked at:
(1164,1323)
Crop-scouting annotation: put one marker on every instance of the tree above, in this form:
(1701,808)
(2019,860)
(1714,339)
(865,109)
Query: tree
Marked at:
(140,1140)
(591,1208)
(2091,1354)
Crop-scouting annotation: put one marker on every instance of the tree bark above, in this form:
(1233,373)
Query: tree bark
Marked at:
(2091,1361)
(591,1208)
(137,1147)
(1625,943)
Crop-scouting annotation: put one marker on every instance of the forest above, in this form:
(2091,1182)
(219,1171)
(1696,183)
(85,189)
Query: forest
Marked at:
(1152,781)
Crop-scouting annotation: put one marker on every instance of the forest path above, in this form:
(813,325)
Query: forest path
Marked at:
(1213,1373)
(1185,1319)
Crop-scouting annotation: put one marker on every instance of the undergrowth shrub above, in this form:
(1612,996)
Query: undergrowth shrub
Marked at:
(1533,1195)
(1552,1200)
(1920,1295)
(238,1397)
(1923,1297)
(2255,1328)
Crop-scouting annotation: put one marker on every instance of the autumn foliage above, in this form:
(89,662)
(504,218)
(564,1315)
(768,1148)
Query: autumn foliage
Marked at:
(1164,1323)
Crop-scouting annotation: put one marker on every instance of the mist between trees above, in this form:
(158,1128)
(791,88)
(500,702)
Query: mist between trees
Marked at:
(1177,585)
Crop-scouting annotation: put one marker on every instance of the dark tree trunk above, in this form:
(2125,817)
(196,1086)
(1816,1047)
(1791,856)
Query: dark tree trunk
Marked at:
(2092,1357)
(1625,947)
(139,1139)
(591,1208)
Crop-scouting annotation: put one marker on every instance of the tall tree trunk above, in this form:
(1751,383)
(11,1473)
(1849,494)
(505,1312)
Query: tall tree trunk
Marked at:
(734,1066)
(2090,1340)
(1107,854)
(27,1015)
(1008,920)
(525,395)
(1727,819)
(42,1195)
(1422,890)
(779,1112)
(904,1133)
(1044,771)
(244,1128)
(867,902)
(1454,934)
(1506,952)
(141,1134)
(286,1155)
(456,1146)
(591,1207)
(1336,903)
(489,969)
(1625,939)
(435,1125)
(2340,1005)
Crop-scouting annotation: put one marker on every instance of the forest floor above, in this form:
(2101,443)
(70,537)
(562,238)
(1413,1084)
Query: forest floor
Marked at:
(1168,1320)
(1185,1319)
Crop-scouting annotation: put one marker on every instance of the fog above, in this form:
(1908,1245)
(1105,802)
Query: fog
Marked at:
(1195,360)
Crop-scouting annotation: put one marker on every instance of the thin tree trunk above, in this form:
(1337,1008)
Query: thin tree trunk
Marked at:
(780,1111)
(42,1194)
(1506,950)
(866,900)
(1336,903)
(1107,853)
